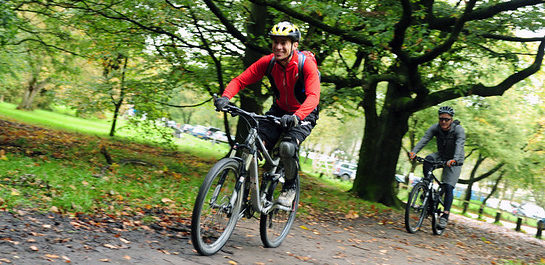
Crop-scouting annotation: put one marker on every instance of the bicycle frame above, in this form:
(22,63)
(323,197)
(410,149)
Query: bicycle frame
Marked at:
(251,149)
(430,191)
(429,188)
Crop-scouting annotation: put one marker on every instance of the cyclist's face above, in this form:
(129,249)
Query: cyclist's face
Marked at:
(282,47)
(445,121)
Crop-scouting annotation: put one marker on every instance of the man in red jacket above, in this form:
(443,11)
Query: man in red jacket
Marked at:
(296,98)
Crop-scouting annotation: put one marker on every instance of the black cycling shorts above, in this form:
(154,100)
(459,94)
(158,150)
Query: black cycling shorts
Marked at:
(270,132)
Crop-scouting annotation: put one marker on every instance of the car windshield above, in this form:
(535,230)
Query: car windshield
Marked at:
(349,166)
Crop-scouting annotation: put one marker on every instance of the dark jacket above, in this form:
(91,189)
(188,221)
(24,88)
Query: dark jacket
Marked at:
(450,144)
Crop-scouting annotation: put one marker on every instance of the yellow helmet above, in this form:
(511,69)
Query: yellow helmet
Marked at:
(286,29)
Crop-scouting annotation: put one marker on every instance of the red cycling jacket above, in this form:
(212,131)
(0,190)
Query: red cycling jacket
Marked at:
(285,79)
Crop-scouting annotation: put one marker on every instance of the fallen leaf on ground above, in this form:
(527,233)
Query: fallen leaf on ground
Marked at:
(54,209)
(110,246)
(303,258)
(166,200)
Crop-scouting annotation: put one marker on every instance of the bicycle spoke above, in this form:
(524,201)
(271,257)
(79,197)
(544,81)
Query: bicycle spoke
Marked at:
(275,225)
(416,208)
(217,202)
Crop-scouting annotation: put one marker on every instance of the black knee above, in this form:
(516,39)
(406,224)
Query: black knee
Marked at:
(447,188)
(287,149)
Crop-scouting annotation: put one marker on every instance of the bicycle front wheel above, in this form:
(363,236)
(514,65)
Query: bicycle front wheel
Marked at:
(436,215)
(217,207)
(416,208)
(275,225)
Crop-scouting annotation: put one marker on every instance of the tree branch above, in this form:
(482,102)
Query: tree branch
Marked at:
(435,98)
(483,176)
(232,30)
(399,31)
(511,38)
(181,106)
(445,46)
(444,23)
(348,35)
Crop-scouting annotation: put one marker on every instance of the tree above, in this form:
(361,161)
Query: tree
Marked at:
(407,55)
(492,192)
(393,58)
(8,22)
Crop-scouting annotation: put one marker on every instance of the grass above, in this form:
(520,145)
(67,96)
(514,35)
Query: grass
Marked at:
(63,119)
(55,120)
(78,186)
(51,170)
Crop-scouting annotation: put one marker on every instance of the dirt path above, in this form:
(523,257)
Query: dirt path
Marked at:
(31,238)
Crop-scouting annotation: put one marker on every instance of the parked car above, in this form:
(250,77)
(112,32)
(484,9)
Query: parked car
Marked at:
(177,132)
(531,210)
(509,206)
(210,131)
(413,179)
(400,178)
(345,170)
(186,128)
(171,124)
(219,136)
(199,131)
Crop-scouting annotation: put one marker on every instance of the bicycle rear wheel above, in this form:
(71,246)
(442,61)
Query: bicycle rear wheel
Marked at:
(275,226)
(416,208)
(217,208)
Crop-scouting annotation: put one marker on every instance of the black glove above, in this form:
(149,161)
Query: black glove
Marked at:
(289,121)
(220,103)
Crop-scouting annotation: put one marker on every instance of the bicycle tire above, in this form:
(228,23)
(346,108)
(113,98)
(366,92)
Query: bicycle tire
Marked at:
(275,226)
(214,204)
(437,211)
(416,208)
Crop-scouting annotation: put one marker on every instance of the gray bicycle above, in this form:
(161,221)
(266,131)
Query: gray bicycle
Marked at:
(232,189)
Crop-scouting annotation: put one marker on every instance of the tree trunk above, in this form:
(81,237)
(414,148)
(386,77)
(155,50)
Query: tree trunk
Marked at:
(378,157)
(494,189)
(471,180)
(119,102)
(34,87)
(116,114)
(251,98)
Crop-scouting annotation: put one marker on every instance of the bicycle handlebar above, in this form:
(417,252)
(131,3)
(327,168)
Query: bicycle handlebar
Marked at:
(234,110)
(435,163)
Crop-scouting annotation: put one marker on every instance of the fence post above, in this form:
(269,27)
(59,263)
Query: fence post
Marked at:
(540,227)
(519,223)
(481,210)
(498,217)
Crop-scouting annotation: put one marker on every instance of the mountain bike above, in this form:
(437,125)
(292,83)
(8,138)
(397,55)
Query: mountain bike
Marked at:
(232,189)
(426,199)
